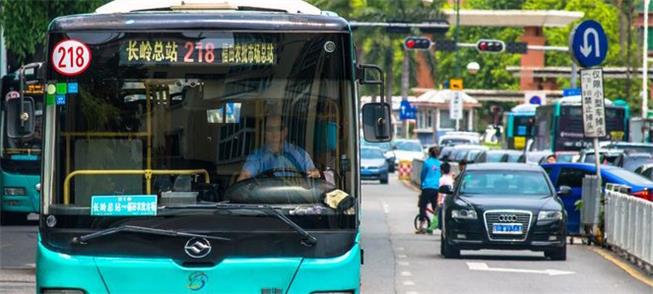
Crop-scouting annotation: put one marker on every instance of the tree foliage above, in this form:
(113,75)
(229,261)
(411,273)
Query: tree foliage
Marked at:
(25,22)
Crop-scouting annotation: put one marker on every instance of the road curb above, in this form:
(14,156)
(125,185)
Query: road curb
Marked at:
(630,269)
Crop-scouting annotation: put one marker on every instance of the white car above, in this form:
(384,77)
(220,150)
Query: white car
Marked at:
(407,150)
(457,138)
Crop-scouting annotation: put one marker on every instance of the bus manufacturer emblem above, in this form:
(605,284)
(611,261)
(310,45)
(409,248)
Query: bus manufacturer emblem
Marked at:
(197,280)
(197,247)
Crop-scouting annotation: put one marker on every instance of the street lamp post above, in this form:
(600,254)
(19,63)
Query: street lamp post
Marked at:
(645,62)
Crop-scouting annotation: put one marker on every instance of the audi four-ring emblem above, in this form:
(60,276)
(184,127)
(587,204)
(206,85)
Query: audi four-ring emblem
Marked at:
(510,218)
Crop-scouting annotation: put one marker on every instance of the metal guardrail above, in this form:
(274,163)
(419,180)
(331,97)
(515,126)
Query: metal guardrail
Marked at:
(629,224)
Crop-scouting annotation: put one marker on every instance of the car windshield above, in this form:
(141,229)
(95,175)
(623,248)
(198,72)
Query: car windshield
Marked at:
(455,141)
(514,157)
(384,146)
(372,153)
(408,146)
(633,148)
(504,182)
(565,157)
(634,161)
(494,156)
(630,177)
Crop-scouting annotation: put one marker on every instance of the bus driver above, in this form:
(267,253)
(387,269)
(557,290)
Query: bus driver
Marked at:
(277,154)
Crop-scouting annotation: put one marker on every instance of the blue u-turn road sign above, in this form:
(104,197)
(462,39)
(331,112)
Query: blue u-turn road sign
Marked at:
(588,43)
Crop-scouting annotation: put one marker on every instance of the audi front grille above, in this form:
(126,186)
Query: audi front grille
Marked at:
(522,217)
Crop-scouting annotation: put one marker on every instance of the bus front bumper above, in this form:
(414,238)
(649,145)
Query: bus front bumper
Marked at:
(233,275)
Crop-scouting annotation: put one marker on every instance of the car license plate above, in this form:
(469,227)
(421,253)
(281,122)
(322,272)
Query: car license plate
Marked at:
(509,229)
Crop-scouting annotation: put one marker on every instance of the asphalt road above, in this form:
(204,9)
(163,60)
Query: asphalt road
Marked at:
(17,249)
(399,261)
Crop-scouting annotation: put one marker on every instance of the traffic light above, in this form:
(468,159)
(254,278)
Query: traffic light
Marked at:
(417,43)
(445,45)
(517,47)
(491,46)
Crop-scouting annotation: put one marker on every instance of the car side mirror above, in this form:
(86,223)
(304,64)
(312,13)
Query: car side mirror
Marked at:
(445,190)
(377,125)
(564,190)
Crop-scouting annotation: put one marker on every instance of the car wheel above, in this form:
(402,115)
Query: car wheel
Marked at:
(384,180)
(557,253)
(446,250)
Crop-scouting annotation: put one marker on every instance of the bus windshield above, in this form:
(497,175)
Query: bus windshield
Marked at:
(206,117)
(21,131)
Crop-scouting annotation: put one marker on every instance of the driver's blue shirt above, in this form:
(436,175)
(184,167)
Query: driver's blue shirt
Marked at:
(290,158)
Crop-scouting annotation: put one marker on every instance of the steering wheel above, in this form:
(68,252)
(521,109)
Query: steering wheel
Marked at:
(268,173)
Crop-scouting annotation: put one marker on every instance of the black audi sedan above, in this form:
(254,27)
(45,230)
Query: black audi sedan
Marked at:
(509,206)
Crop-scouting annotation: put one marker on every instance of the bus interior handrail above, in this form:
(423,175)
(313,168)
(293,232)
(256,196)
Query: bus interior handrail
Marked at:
(145,172)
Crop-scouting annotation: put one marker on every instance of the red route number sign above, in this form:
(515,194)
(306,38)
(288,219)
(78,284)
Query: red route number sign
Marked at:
(70,57)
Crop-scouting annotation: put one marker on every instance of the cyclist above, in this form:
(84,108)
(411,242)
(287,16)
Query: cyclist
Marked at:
(430,177)
(445,180)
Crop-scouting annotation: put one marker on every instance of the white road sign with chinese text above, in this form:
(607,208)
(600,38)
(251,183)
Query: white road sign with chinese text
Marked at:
(456,106)
(593,103)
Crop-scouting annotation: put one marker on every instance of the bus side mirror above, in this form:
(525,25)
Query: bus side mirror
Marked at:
(377,125)
(20,117)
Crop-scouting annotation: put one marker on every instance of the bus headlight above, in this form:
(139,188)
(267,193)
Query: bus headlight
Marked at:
(14,191)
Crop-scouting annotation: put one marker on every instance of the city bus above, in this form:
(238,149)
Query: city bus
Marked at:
(517,126)
(559,126)
(160,119)
(20,142)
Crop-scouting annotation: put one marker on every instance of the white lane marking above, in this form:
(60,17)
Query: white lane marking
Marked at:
(412,292)
(406,274)
(409,283)
(482,266)
(403,263)
(402,255)
(400,248)
(386,207)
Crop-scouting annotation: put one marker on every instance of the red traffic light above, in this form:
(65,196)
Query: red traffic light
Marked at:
(417,43)
(410,44)
(493,46)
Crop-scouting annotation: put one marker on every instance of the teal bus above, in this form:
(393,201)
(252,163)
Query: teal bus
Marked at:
(559,126)
(517,125)
(20,143)
(160,123)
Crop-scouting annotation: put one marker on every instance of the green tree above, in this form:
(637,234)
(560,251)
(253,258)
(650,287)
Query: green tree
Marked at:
(25,22)
(376,45)
(608,14)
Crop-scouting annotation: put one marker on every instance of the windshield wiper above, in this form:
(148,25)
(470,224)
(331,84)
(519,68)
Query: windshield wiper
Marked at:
(139,229)
(307,240)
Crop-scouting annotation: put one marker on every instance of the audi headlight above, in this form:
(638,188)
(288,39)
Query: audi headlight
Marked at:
(464,214)
(549,215)
(14,191)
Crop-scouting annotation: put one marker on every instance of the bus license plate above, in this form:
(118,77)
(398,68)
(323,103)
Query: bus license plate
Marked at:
(510,229)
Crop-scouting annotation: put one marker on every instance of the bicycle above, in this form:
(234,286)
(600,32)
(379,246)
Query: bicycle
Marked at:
(426,225)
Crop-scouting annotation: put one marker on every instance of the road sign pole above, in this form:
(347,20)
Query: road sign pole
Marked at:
(645,62)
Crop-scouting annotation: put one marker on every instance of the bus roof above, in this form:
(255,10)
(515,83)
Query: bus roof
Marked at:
(576,100)
(286,6)
(527,108)
(205,20)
